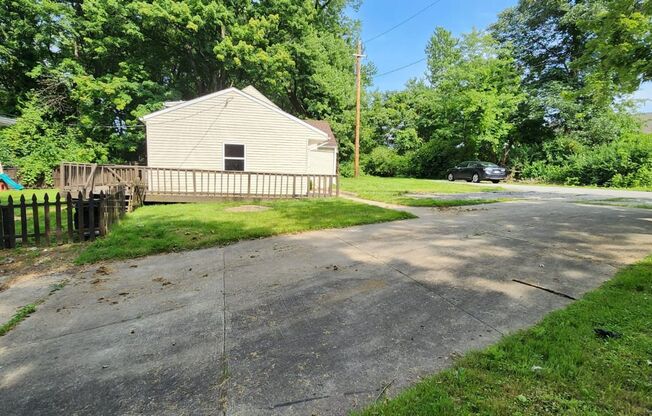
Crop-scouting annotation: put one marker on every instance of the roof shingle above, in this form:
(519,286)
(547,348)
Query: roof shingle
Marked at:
(326,128)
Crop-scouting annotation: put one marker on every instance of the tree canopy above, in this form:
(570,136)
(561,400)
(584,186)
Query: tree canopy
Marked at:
(544,91)
(93,67)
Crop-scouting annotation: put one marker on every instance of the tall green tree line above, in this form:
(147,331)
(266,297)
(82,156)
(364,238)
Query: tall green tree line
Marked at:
(544,91)
(80,73)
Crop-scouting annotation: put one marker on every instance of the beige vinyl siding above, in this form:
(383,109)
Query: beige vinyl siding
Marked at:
(322,161)
(193,137)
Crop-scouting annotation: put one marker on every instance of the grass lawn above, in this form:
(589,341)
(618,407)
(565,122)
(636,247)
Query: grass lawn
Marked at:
(40,194)
(175,227)
(392,190)
(563,185)
(618,202)
(560,366)
(4,195)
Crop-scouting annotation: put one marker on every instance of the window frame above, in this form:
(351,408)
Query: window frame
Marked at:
(243,158)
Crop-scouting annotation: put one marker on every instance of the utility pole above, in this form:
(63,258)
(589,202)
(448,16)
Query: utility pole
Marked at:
(358,82)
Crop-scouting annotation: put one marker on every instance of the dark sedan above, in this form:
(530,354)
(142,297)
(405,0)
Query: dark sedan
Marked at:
(476,171)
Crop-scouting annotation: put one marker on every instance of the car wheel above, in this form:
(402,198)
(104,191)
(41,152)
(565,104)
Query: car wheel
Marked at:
(451,177)
(475,178)
(494,181)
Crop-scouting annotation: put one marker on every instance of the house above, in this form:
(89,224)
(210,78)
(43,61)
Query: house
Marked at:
(238,131)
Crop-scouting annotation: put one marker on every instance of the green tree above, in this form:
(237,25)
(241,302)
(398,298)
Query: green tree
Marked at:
(98,65)
(38,142)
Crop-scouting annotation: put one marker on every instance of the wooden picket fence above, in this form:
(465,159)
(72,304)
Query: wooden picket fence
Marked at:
(64,220)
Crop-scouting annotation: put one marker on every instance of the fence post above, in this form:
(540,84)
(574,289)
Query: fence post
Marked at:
(3,241)
(91,217)
(46,218)
(57,215)
(23,220)
(337,185)
(69,209)
(12,224)
(122,200)
(80,216)
(37,230)
(294,186)
(102,211)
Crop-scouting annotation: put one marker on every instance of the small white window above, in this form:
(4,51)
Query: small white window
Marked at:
(234,157)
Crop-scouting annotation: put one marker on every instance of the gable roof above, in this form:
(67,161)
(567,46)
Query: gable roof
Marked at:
(258,101)
(326,128)
(257,94)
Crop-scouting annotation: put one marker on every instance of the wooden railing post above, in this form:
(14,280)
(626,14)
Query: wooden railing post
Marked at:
(62,175)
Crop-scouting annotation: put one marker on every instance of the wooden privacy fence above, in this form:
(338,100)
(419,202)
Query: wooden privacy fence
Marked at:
(62,220)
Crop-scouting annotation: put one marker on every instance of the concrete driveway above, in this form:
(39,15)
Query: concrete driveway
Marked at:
(315,323)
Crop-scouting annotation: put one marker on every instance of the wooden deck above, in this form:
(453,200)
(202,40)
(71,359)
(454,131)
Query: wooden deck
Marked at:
(192,185)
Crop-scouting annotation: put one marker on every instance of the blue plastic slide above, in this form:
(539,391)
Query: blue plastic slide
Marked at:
(10,182)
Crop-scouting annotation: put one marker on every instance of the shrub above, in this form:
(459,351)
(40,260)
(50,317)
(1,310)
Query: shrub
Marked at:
(346,169)
(625,162)
(37,143)
(383,161)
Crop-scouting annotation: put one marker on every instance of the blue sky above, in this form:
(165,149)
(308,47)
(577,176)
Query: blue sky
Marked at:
(407,43)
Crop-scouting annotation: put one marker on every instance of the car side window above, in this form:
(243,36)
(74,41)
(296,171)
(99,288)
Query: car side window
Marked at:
(462,165)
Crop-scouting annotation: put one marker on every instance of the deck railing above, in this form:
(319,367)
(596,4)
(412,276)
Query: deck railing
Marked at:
(195,183)
(167,181)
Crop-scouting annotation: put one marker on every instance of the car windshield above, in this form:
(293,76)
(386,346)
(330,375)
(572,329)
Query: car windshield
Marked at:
(488,165)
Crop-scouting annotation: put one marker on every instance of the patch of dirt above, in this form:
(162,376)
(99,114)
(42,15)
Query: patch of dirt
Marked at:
(248,208)
(162,281)
(103,270)
(23,264)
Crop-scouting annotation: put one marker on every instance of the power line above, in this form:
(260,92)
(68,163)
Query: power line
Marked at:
(401,67)
(402,22)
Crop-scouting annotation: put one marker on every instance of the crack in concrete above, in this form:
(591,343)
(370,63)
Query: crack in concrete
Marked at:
(223,362)
(426,287)
(309,399)
(122,321)
(545,289)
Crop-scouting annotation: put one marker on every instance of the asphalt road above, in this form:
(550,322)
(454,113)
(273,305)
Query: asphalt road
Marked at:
(314,323)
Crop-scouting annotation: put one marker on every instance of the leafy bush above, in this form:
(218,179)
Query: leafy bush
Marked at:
(624,163)
(346,169)
(36,144)
(383,161)
(434,158)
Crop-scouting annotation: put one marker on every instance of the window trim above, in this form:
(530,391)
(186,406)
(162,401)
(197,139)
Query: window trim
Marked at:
(244,158)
